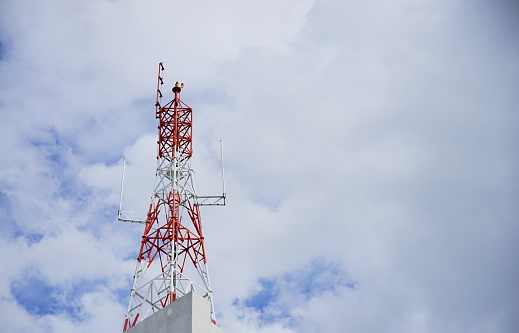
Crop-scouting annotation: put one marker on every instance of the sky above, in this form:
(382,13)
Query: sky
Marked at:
(371,156)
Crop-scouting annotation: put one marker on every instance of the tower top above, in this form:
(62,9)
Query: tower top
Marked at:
(178,87)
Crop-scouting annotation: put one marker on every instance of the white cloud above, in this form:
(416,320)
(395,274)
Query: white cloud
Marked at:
(379,136)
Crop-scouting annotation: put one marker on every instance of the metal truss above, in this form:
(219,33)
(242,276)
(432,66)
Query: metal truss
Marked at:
(172,259)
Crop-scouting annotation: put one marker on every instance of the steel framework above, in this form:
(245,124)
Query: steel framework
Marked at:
(172,259)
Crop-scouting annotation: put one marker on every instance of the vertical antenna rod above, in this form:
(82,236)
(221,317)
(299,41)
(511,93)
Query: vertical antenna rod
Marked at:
(223,175)
(122,187)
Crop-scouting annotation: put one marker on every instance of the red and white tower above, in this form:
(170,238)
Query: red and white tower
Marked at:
(172,258)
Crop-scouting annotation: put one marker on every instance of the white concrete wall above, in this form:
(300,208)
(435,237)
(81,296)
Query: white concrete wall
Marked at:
(189,314)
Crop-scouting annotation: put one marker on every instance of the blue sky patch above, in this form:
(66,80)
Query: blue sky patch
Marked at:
(53,151)
(49,144)
(4,205)
(30,237)
(40,298)
(266,296)
(271,300)
(9,227)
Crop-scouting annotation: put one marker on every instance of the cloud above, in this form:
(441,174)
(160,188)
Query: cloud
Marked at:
(280,299)
(371,138)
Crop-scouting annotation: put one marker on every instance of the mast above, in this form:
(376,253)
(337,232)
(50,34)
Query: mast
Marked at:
(172,259)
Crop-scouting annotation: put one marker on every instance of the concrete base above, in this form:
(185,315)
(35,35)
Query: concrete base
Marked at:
(188,314)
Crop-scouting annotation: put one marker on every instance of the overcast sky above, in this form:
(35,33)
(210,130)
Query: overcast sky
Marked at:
(371,154)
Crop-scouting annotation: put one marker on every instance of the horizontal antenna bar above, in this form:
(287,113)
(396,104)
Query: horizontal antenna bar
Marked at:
(210,200)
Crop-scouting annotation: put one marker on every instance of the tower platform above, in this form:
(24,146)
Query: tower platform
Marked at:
(189,314)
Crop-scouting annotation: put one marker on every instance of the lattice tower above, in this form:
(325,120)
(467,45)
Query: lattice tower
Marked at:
(172,258)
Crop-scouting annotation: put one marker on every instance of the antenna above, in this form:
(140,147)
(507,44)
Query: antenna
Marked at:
(214,200)
(122,187)
(223,174)
(126,216)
